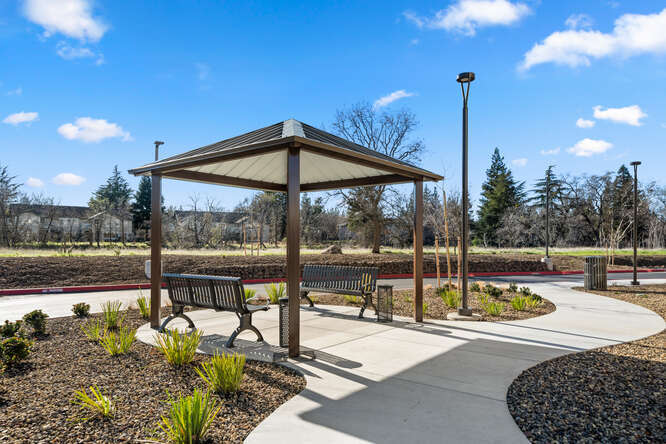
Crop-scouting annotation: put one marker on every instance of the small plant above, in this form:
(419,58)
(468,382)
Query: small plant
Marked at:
(475,287)
(513,287)
(14,350)
(408,299)
(118,342)
(532,302)
(98,403)
(350,299)
(519,303)
(425,308)
(10,329)
(178,349)
(111,314)
(249,293)
(493,308)
(525,291)
(450,298)
(144,306)
(493,291)
(223,373)
(81,310)
(189,418)
(536,297)
(94,329)
(275,291)
(37,320)
(483,299)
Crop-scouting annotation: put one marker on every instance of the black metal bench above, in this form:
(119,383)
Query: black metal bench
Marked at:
(355,281)
(216,292)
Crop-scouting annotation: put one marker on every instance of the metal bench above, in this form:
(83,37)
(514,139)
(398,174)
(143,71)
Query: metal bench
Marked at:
(216,292)
(355,281)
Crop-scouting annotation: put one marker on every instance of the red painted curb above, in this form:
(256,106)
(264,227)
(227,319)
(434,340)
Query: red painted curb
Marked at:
(146,286)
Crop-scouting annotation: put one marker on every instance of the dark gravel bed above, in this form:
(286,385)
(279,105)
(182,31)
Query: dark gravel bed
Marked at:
(35,399)
(403,305)
(611,394)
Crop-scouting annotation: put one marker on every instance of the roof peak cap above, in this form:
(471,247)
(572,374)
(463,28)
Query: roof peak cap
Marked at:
(292,127)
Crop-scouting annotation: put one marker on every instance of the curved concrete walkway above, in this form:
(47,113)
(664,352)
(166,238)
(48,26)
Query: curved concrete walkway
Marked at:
(438,381)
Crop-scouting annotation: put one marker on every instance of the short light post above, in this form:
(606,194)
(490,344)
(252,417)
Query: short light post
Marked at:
(465,78)
(635,236)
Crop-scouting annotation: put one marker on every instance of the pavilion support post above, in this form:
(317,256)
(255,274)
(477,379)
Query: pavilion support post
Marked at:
(418,250)
(155,251)
(293,248)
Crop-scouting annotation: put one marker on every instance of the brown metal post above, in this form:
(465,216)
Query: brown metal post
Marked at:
(418,250)
(155,251)
(293,248)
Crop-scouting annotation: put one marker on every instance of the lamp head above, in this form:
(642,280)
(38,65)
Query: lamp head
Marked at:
(158,143)
(636,163)
(465,77)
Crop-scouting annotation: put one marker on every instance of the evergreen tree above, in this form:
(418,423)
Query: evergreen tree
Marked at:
(113,197)
(500,192)
(141,208)
(538,198)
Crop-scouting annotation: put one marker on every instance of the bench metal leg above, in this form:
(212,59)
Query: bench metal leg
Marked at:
(177,313)
(367,300)
(245,324)
(304,295)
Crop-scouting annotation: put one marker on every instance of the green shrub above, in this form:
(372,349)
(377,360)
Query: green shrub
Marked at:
(536,297)
(190,418)
(37,320)
(118,342)
(10,329)
(525,291)
(81,310)
(519,303)
(450,297)
(98,403)
(493,308)
(14,350)
(111,314)
(249,293)
(94,329)
(275,291)
(350,299)
(223,373)
(144,306)
(475,287)
(178,349)
(493,291)
(513,287)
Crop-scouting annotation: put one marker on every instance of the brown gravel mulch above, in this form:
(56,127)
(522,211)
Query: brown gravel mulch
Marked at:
(611,394)
(35,398)
(403,305)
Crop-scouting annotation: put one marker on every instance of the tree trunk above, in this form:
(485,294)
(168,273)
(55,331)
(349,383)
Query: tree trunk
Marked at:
(376,237)
(437,259)
(446,232)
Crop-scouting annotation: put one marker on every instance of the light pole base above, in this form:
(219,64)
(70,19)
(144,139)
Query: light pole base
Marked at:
(549,263)
(635,283)
(460,317)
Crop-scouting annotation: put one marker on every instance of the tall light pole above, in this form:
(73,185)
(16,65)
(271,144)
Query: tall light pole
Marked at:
(465,78)
(157,147)
(635,165)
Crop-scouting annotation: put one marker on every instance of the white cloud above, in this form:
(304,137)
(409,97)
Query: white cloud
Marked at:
(390,98)
(15,92)
(22,117)
(88,129)
(521,162)
(68,179)
(551,152)
(68,52)
(589,147)
(632,34)
(72,18)
(583,123)
(465,16)
(579,21)
(631,115)
(34,182)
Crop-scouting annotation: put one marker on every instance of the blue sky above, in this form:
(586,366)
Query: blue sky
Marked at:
(85,85)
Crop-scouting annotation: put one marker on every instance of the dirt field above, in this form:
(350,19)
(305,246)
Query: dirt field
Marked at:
(28,272)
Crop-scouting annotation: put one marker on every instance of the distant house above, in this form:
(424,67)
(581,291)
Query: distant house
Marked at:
(72,223)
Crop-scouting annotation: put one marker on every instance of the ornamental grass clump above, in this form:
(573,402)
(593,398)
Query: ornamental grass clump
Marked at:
(37,320)
(493,308)
(275,291)
(350,299)
(223,373)
(177,348)
(111,314)
(249,293)
(450,297)
(118,342)
(519,303)
(94,329)
(81,310)
(99,404)
(190,418)
(533,301)
(144,306)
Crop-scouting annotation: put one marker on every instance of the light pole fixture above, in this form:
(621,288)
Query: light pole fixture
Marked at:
(157,147)
(635,236)
(465,79)
(547,214)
